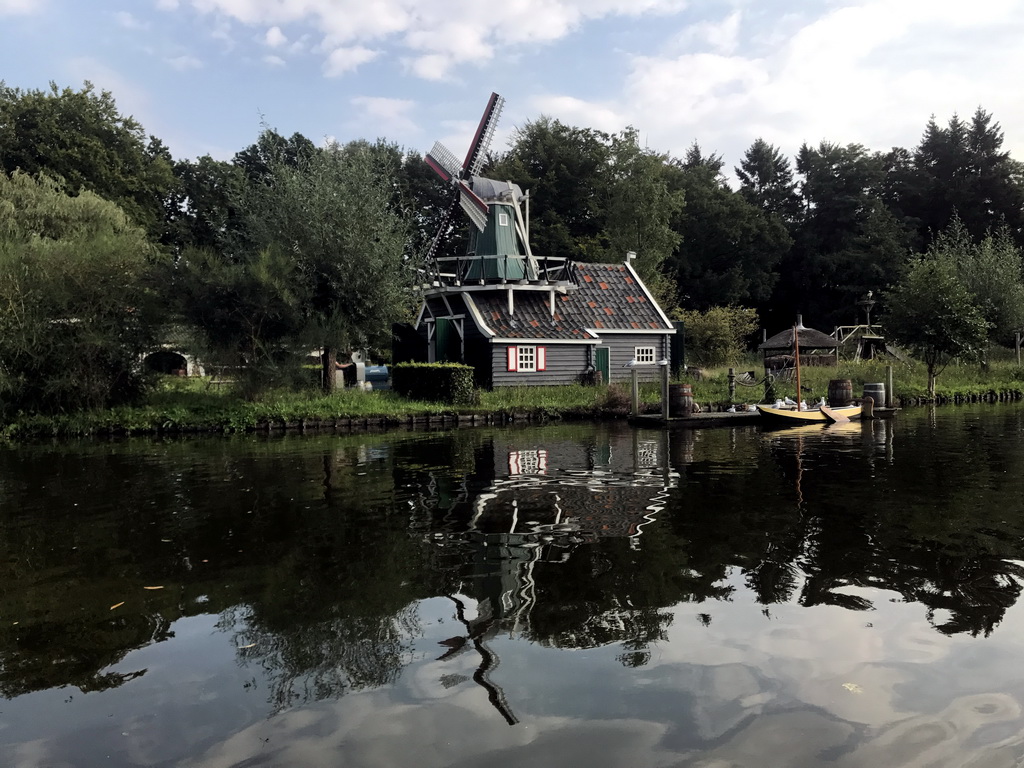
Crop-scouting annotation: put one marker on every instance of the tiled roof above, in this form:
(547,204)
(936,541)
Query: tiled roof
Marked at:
(608,298)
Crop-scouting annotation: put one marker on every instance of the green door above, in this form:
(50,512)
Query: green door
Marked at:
(447,343)
(601,363)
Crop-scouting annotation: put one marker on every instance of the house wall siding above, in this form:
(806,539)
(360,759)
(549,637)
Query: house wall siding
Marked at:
(565,364)
(620,351)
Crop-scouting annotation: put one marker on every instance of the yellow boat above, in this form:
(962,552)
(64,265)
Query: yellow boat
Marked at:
(821,415)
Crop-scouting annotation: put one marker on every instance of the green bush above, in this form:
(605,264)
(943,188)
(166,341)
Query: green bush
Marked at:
(718,336)
(434,382)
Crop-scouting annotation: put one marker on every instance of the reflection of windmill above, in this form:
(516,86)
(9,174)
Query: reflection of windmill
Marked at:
(477,631)
(499,247)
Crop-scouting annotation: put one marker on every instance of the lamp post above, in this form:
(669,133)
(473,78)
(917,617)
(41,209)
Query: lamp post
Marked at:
(867,303)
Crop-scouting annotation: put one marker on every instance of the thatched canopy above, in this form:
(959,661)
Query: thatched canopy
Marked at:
(778,350)
(809,339)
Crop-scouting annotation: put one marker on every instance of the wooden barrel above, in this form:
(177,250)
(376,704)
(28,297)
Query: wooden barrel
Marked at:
(876,392)
(680,399)
(840,392)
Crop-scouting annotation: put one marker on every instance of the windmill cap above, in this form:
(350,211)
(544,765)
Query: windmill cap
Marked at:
(492,189)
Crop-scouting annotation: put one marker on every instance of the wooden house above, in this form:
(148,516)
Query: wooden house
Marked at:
(520,319)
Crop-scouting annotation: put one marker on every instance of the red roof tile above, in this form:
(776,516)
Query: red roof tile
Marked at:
(609,311)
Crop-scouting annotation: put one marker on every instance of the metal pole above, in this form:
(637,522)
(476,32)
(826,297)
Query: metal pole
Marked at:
(888,387)
(732,384)
(636,391)
(664,391)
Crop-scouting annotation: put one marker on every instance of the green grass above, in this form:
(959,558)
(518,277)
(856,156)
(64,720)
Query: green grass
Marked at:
(193,405)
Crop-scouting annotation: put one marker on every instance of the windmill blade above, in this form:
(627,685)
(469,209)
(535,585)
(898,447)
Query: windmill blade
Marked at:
(484,133)
(444,162)
(442,228)
(476,209)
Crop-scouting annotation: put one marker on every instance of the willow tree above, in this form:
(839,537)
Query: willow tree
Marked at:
(77,307)
(333,215)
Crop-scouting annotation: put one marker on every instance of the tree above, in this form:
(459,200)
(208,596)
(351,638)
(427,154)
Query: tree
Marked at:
(77,310)
(730,248)
(320,262)
(565,170)
(766,181)
(203,212)
(932,313)
(848,242)
(719,335)
(82,138)
(640,206)
(963,171)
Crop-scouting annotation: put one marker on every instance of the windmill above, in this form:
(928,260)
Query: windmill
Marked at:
(498,246)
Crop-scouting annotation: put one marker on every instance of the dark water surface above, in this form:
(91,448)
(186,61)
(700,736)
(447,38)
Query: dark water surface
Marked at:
(560,596)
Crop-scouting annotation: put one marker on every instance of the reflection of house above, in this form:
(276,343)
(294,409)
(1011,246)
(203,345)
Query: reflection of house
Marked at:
(540,503)
(526,505)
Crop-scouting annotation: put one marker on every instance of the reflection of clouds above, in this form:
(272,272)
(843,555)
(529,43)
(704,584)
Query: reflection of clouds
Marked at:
(370,729)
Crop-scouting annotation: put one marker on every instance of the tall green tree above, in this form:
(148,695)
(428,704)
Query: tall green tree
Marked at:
(932,312)
(848,242)
(82,138)
(766,181)
(565,169)
(77,307)
(322,261)
(639,208)
(963,171)
(729,247)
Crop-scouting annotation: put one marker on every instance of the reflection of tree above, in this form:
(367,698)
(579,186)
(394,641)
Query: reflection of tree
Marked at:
(324,659)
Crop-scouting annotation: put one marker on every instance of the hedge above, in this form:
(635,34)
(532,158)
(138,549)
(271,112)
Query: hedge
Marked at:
(435,382)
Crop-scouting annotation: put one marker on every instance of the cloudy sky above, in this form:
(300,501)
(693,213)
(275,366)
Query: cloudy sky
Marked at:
(205,75)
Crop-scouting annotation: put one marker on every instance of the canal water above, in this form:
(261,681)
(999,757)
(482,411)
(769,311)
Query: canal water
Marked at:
(567,595)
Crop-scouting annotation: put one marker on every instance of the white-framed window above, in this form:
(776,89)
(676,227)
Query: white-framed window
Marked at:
(643,354)
(502,219)
(527,359)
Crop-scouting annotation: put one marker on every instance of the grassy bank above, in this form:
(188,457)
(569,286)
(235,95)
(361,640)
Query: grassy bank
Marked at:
(190,405)
(999,381)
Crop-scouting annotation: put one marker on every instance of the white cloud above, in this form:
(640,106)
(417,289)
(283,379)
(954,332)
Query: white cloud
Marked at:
(128,21)
(870,72)
(185,63)
(388,116)
(12,7)
(342,60)
(720,36)
(275,38)
(274,61)
(167,5)
(573,111)
(435,35)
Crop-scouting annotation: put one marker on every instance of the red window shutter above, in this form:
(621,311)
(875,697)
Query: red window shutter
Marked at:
(542,358)
(513,358)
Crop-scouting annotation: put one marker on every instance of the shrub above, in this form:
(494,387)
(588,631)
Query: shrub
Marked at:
(435,382)
(718,336)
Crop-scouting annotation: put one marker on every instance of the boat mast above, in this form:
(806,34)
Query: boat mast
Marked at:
(796,345)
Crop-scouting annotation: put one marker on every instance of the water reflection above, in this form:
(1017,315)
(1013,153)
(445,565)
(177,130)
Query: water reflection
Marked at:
(732,565)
